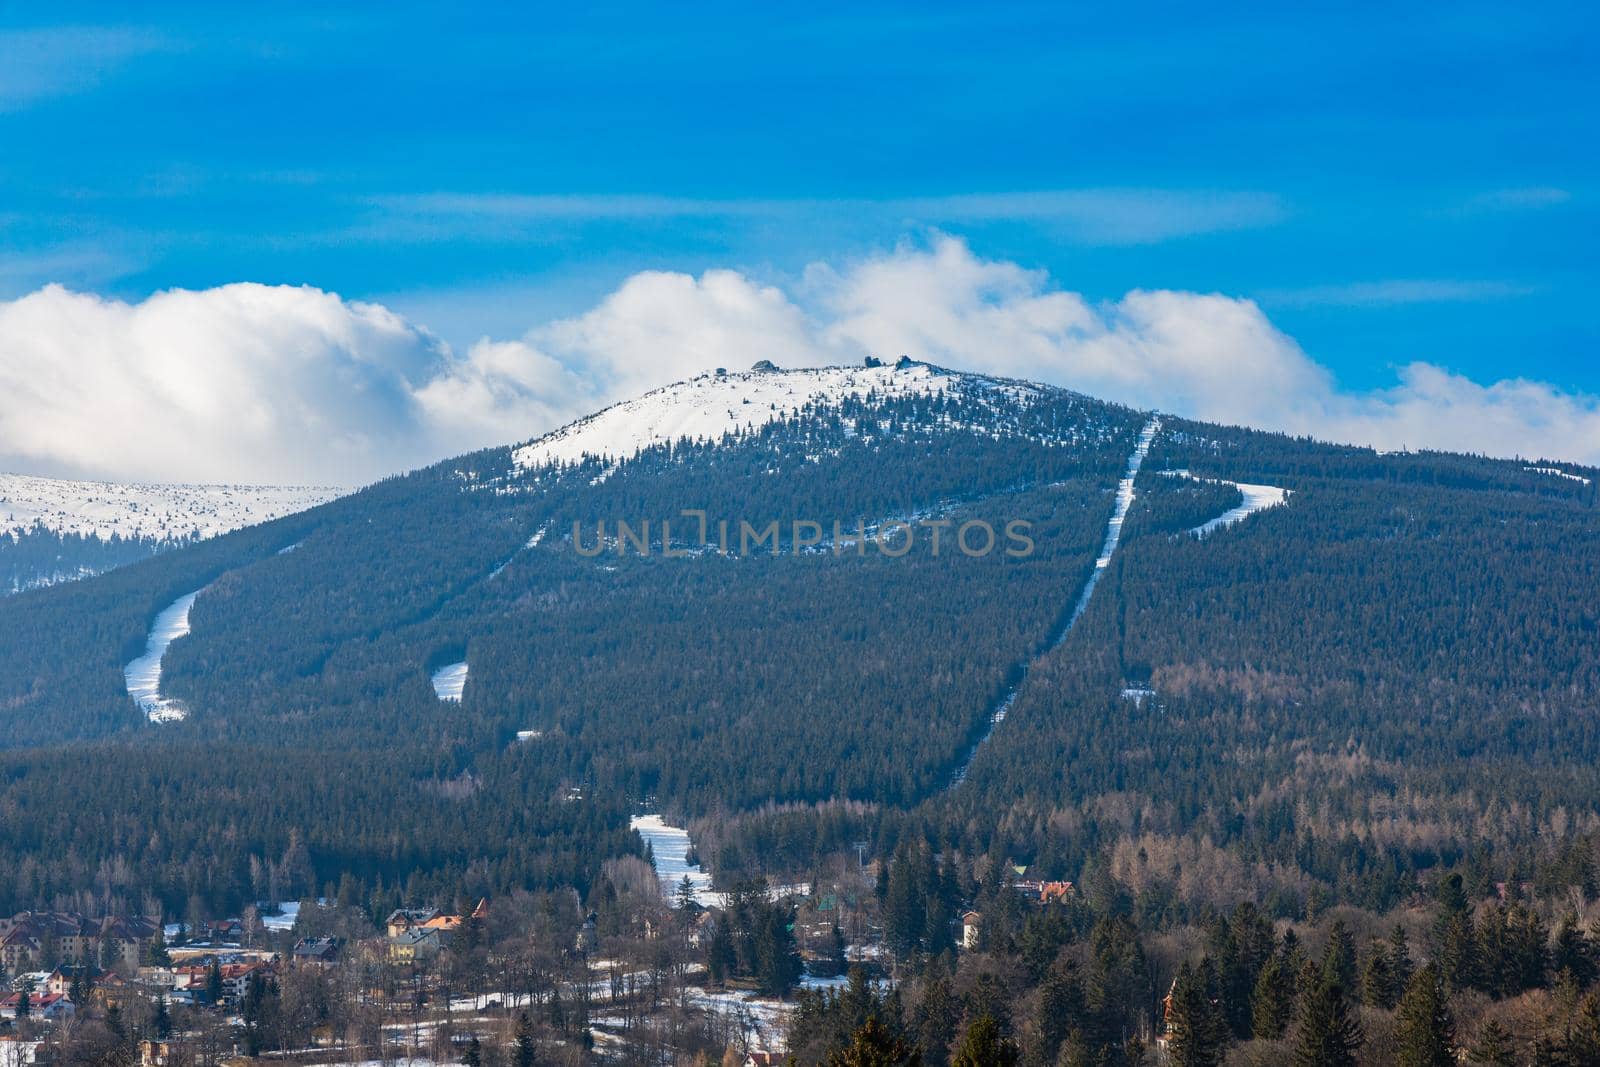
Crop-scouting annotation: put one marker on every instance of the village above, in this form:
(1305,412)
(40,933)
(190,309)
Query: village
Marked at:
(648,975)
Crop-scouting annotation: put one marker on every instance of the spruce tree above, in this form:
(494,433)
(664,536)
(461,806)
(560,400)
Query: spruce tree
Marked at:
(1572,952)
(1400,966)
(936,1017)
(161,1018)
(1453,933)
(1272,1002)
(1493,1047)
(721,957)
(1377,982)
(1197,1033)
(1339,958)
(525,1048)
(1427,1031)
(1328,1033)
(214,982)
(873,1045)
(1061,1009)
(983,1045)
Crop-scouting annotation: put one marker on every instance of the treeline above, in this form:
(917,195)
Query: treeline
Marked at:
(36,557)
(1084,982)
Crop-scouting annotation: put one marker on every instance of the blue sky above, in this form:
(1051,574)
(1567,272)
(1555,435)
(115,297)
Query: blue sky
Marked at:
(1387,187)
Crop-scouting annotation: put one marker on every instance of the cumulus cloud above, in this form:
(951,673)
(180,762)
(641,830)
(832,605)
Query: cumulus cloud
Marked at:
(280,384)
(240,383)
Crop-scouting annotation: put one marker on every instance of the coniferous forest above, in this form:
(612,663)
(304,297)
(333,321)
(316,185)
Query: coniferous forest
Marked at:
(1291,767)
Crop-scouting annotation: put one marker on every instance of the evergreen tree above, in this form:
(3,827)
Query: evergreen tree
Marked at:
(161,1018)
(1196,1029)
(983,1045)
(777,961)
(156,954)
(474,1054)
(1272,1002)
(526,1049)
(1377,981)
(1427,1031)
(1572,952)
(214,982)
(1400,965)
(872,1045)
(686,901)
(721,956)
(25,1000)
(1493,1048)
(1060,1011)
(1453,933)
(1339,958)
(935,1019)
(1328,1033)
(905,905)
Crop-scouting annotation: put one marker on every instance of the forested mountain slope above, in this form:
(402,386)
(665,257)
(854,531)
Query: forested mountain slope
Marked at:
(1344,684)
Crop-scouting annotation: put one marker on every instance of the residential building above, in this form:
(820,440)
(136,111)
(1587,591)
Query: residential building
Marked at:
(971,924)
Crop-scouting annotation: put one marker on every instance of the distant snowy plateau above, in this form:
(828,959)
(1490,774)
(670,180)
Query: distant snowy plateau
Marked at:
(163,512)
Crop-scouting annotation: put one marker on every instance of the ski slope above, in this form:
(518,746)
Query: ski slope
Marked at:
(1119,515)
(669,845)
(450,681)
(143,675)
(1256,498)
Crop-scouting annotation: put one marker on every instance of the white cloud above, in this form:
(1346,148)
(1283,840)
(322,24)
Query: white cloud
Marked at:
(241,383)
(1206,356)
(280,384)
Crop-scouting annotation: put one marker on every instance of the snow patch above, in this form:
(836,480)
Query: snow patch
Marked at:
(143,675)
(450,681)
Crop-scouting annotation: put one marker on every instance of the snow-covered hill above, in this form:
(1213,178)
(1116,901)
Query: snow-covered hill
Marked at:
(163,512)
(713,405)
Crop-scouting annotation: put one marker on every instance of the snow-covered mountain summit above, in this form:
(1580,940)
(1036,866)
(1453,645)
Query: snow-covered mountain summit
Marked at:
(713,405)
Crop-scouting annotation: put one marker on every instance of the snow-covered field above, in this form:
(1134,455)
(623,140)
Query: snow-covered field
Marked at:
(708,407)
(143,675)
(450,681)
(161,511)
(1256,498)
